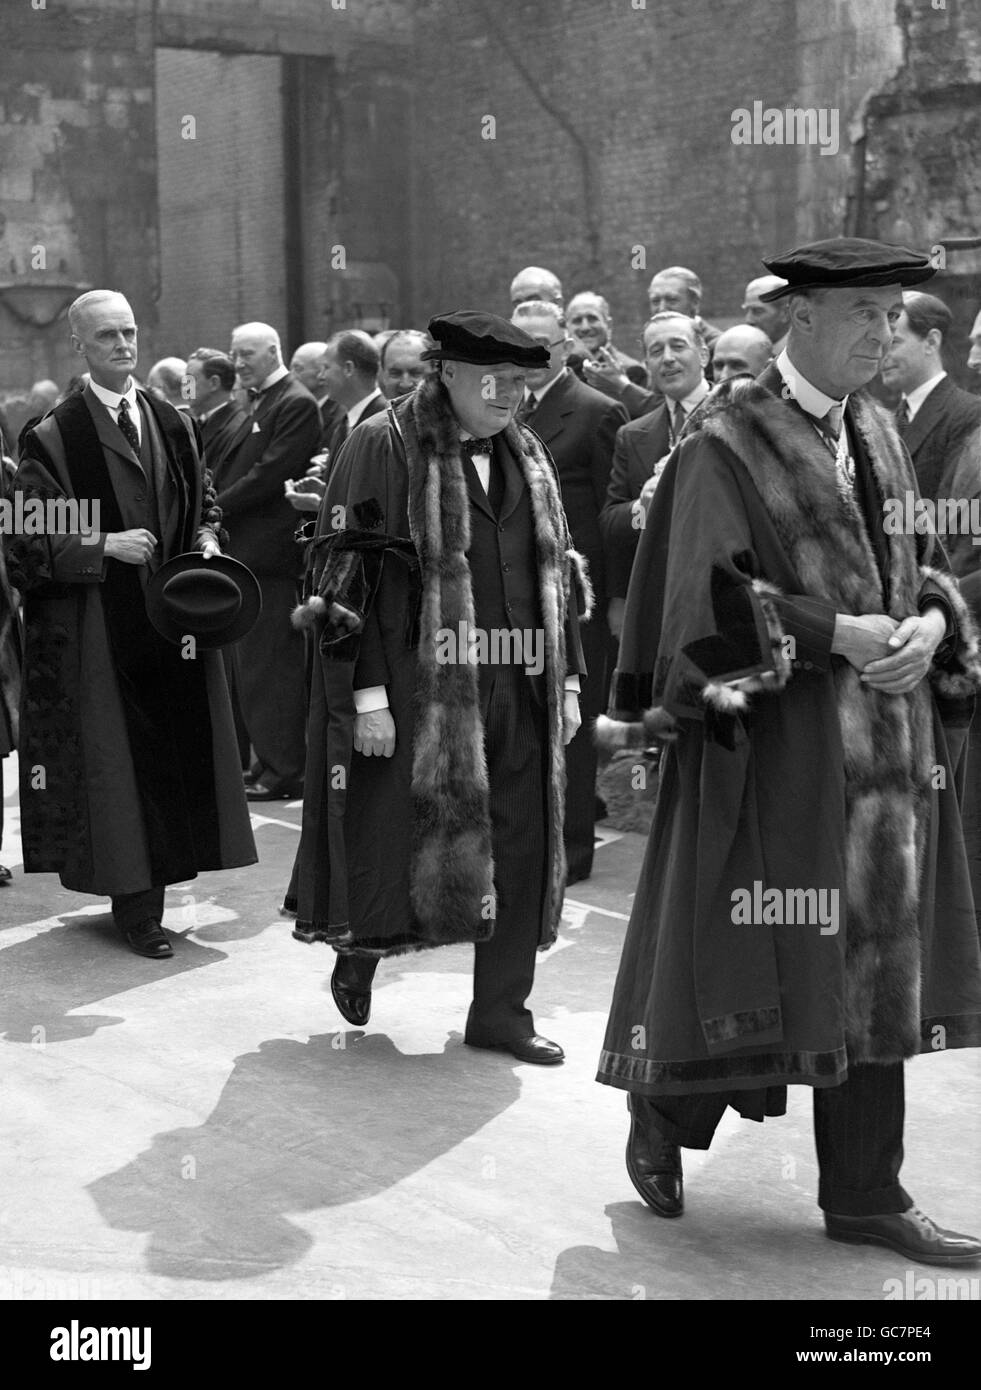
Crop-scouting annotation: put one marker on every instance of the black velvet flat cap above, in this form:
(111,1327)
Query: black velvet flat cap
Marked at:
(847,262)
(468,335)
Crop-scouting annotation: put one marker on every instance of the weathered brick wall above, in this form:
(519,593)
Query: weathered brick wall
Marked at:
(614,130)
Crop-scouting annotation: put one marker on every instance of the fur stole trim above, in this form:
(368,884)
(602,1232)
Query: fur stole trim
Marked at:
(451,883)
(887,740)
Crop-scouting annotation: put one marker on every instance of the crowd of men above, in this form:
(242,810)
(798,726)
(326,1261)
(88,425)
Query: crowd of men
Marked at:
(527,476)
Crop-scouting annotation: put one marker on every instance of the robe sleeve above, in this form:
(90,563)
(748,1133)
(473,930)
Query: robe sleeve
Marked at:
(56,557)
(701,628)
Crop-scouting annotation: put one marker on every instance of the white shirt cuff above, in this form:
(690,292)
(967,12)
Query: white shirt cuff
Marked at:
(371,698)
(572,683)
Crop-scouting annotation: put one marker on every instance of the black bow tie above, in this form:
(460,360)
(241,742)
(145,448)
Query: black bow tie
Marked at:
(476,446)
(253,393)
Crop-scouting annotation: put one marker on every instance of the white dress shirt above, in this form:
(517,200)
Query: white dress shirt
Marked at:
(916,398)
(354,414)
(111,399)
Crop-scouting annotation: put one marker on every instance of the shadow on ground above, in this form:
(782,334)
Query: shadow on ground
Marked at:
(49,976)
(299,1127)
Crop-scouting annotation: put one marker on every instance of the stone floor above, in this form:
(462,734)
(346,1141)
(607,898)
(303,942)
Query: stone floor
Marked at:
(208,1128)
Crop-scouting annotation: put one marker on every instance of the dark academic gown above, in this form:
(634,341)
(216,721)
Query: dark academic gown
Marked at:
(747,546)
(128,772)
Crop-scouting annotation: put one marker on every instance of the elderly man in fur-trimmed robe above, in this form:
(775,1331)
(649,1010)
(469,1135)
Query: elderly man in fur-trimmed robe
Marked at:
(445,690)
(804,914)
(129,771)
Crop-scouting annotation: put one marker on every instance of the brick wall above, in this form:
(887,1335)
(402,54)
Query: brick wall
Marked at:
(614,131)
(221,196)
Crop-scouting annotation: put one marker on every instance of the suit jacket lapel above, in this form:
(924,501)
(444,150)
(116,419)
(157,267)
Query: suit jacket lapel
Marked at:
(927,416)
(475,490)
(110,435)
(514,481)
(651,444)
(549,419)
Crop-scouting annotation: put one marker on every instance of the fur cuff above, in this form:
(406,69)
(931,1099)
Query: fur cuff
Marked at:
(960,676)
(732,698)
(586,598)
(613,734)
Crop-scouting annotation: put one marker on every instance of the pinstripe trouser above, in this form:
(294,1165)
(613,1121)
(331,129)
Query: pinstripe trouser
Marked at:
(858,1135)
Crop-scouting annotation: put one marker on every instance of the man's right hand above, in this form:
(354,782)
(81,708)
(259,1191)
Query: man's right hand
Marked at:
(374,734)
(863,639)
(132,547)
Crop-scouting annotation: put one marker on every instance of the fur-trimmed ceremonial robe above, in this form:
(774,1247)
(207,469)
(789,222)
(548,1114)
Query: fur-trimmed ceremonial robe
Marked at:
(129,770)
(395,853)
(804,781)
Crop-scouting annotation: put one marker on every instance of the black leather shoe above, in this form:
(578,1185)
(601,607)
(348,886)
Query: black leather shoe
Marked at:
(654,1163)
(530,1049)
(5,874)
(258,791)
(352,1004)
(910,1233)
(148,939)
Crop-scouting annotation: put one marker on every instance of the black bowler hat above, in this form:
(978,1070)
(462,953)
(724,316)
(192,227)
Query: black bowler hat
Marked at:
(847,262)
(471,336)
(214,601)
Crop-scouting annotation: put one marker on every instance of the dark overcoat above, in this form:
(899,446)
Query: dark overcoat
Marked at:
(802,782)
(129,772)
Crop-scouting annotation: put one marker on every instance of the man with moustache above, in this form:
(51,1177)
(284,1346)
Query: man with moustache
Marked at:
(674,290)
(433,811)
(676,360)
(814,672)
(268,663)
(769,315)
(140,784)
(578,426)
(741,351)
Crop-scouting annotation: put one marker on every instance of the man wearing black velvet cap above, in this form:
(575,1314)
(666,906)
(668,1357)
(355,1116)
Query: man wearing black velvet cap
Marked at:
(804,912)
(445,617)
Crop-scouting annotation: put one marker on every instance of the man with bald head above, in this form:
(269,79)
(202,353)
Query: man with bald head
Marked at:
(305,366)
(773,316)
(129,775)
(536,283)
(269,671)
(167,380)
(741,351)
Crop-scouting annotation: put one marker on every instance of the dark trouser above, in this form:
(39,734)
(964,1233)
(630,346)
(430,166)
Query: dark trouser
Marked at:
(130,909)
(580,754)
(858,1134)
(270,679)
(504,966)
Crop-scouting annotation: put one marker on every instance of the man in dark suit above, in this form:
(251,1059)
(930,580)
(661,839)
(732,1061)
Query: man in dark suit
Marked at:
(433,809)
(936,419)
(305,365)
(269,661)
(349,373)
(221,420)
(676,360)
(578,426)
(140,787)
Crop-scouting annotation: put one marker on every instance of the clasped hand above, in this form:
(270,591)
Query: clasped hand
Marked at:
(892,656)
